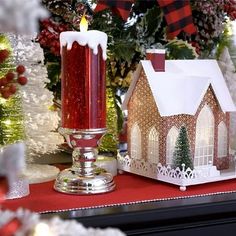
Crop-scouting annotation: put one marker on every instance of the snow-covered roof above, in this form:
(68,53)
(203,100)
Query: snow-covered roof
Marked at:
(180,89)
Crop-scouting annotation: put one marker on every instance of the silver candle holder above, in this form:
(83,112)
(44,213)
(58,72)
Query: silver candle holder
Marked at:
(82,177)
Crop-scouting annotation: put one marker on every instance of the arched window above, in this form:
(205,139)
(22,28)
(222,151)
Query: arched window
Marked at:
(170,144)
(153,146)
(204,143)
(222,140)
(136,150)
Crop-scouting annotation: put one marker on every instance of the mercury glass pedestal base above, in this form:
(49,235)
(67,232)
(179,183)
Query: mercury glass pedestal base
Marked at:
(82,178)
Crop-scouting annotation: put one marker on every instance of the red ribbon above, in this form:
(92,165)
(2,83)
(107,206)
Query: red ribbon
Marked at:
(120,8)
(10,228)
(178,13)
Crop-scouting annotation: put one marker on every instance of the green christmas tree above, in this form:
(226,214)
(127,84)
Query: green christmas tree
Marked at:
(11,116)
(182,154)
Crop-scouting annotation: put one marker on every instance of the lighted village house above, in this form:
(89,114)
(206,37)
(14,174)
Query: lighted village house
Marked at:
(163,96)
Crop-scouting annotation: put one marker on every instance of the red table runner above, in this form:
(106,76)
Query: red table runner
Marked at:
(129,189)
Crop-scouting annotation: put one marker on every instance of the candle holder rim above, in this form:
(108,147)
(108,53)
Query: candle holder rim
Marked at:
(68,131)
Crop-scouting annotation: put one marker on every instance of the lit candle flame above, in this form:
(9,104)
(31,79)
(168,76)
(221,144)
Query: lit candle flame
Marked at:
(83,24)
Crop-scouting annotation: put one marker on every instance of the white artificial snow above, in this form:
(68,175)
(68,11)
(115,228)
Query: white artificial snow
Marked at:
(37,173)
(179,95)
(154,50)
(180,89)
(21,16)
(59,227)
(40,122)
(54,226)
(92,38)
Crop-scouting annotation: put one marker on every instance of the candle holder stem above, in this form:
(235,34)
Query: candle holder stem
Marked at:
(82,177)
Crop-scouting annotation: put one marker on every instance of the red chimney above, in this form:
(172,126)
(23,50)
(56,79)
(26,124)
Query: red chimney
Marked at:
(157,57)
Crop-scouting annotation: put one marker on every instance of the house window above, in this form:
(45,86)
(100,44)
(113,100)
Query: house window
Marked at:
(204,144)
(170,144)
(136,142)
(222,140)
(153,146)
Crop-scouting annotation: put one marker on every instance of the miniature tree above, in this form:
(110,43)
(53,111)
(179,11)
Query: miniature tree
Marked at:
(41,119)
(182,154)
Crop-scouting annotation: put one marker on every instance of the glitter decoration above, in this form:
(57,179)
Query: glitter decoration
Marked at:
(12,163)
(18,189)
(83,79)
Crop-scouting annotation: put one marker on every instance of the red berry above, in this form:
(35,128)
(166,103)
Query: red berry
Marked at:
(3,81)
(20,69)
(10,76)
(3,55)
(22,80)
(6,94)
(12,89)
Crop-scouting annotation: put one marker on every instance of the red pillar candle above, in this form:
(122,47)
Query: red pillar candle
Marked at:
(83,84)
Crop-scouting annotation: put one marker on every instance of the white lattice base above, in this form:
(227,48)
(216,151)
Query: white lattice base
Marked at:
(177,176)
(139,167)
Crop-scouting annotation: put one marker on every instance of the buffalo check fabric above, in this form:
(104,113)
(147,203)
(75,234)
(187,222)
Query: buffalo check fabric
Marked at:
(178,16)
(177,13)
(121,8)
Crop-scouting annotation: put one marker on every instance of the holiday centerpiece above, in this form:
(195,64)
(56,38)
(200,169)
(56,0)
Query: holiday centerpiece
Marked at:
(83,109)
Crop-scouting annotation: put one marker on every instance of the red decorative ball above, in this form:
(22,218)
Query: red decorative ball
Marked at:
(20,69)
(22,80)
(10,76)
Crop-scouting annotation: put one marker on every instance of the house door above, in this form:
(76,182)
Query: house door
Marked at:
(204,143)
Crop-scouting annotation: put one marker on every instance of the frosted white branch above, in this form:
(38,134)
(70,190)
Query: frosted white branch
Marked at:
(40,122)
